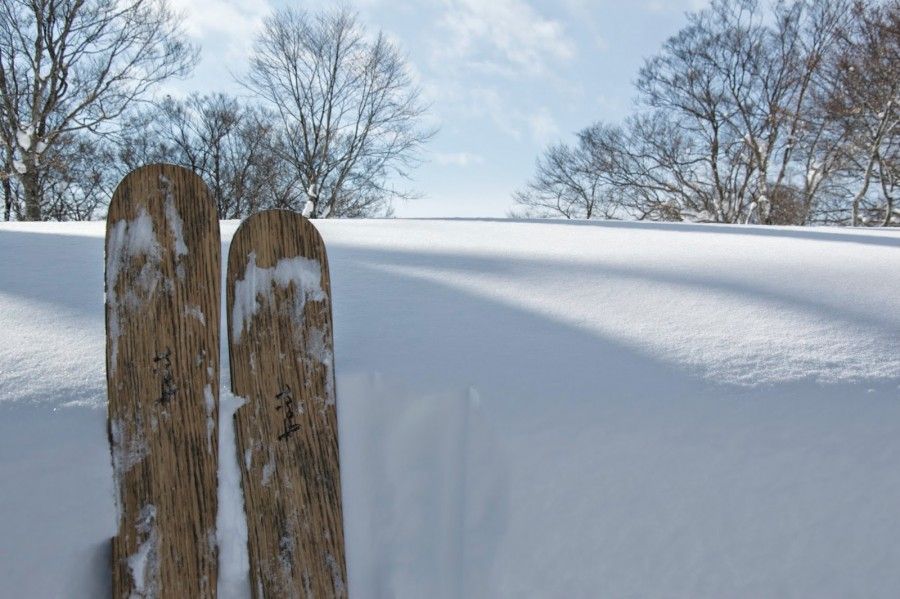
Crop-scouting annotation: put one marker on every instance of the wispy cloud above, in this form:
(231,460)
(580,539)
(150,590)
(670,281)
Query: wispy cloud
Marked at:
(507,117)
(504,36)
(225,30)
(461,159)
(543,126)
(487,102)
(670,6)
(228,23)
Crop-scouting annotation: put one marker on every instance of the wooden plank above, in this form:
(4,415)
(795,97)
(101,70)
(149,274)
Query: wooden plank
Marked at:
(281,351)
(163,275)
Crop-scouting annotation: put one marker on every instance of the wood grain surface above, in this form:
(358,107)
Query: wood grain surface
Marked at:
(162,358)
(281,351)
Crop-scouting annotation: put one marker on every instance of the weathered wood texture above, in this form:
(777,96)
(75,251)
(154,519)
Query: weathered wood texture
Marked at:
(281,351)
(163,274)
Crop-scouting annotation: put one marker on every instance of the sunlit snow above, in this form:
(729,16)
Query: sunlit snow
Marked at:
(527,409)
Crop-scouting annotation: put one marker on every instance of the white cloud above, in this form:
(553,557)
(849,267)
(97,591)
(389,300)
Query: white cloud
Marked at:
(224,30)
(229,23)
(487,102)
(503,36)
(543,127)
(509,118)
(670,6)
(461,159)
(203,17)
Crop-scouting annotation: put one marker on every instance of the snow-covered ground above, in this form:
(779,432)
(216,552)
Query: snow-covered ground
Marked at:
(527,409)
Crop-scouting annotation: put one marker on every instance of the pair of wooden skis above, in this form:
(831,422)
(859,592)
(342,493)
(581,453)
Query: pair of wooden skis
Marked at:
(163,275)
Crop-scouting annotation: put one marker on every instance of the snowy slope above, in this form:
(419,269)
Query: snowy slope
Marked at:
(527,409)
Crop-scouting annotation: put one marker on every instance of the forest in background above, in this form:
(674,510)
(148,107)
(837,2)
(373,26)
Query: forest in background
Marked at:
(755,112)
(330,122)
(782,113)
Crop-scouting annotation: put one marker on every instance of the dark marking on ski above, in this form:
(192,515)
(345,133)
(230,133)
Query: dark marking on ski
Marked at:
(286,397)
(168,389)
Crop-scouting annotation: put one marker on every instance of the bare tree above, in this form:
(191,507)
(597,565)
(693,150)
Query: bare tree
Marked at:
(80,180)
(142,138)
(863,80)
(753,112)
(70,66)
(349,110)
(645,169)
(740,81)
(689,95)
(663,173)
(233,147)
(572,182)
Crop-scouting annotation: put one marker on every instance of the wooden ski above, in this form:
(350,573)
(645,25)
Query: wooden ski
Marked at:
(281,352)
(162,361)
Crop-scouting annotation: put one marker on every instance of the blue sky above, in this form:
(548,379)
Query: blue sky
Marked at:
(504,77)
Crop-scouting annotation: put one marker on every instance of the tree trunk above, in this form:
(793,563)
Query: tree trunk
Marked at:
(32,190)
(7,199)
(888,198)
(867,177)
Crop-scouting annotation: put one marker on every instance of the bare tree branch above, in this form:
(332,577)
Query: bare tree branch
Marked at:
(348,107)
(70,66)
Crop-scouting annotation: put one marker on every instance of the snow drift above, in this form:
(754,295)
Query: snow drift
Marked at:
(527,409)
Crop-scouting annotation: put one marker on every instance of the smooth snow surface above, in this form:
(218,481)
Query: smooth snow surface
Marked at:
(527,409)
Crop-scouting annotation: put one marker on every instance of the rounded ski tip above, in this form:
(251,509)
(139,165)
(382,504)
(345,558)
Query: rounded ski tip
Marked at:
(155,183)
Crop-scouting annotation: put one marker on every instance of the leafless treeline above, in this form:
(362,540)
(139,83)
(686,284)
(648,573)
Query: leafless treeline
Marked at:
(780,114)
(331,115)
